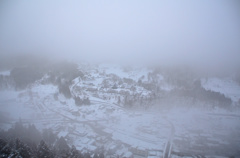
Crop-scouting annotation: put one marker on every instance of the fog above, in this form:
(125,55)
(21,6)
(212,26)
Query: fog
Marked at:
(120,78)
(183,32)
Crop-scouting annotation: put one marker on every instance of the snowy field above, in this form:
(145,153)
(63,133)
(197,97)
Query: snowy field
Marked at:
(124,132)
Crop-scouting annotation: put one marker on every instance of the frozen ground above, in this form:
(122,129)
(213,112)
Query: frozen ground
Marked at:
(124,132)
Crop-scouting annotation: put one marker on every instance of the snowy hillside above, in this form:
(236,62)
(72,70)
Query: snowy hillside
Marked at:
(126,111)
(226,86)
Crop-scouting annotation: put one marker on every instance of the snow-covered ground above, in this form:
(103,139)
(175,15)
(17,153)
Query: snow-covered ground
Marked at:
(124,132)
(226,86)
(147,132)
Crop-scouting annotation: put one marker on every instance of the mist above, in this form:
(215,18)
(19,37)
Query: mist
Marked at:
(191,33)
(121,79)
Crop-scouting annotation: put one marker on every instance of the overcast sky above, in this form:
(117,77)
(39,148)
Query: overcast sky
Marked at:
(148,31)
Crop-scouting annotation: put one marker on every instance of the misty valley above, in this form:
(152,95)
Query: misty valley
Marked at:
(78,109)
(119,79)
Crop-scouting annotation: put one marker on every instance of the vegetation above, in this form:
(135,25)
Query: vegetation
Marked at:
(23,76)
(64,89)
(126,91)
(84,101)
(28,142)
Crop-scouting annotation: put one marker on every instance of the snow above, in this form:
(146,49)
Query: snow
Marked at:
(12,107)
(135,73)
(166,87)
(5,73)
(62,134)
(106,124)
(226,86)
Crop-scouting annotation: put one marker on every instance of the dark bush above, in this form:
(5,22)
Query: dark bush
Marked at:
(78,101)
(86,101)
(64,89)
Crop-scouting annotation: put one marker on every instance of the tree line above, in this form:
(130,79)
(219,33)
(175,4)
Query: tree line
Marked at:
(28,142)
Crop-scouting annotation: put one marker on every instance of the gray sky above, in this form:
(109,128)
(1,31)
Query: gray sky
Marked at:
(149,31)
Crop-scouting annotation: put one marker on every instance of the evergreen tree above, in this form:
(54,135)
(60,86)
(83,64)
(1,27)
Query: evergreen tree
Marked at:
(95,155)
(101,155)
(86,101)
(78,101)
(6,151)
(62,148)
(22,149)
(64,89)
(61,144)
(74,153)
(43,151)
(87,155)
(33,134)
(48,136)
(2,143)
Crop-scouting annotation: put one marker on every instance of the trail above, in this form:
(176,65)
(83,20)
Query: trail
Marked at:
(168,147)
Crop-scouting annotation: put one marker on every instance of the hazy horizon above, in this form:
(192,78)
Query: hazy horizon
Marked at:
(204,33)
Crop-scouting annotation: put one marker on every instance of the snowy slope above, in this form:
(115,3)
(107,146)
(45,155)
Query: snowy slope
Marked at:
(225,86)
